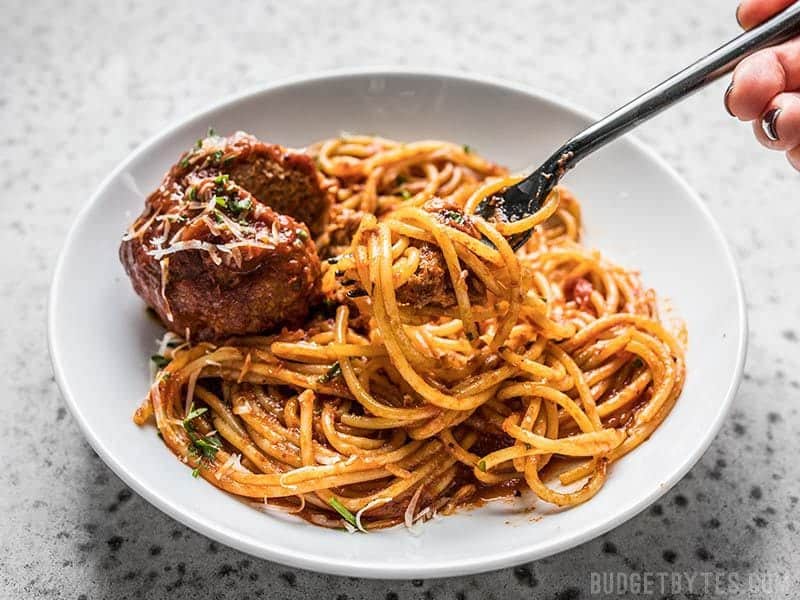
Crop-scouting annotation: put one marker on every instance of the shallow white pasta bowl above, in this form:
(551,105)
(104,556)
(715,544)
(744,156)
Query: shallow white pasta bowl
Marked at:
(635,208)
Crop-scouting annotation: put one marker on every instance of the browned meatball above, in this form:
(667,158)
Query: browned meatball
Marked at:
(211,258)
(430,285)
(286,181)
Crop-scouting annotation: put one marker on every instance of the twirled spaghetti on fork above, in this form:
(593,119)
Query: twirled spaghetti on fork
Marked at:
(439,370)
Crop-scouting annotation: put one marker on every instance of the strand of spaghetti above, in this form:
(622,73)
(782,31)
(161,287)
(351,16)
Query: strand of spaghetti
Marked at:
(587,400)
(547,209)
(306,400)
(399,360)
(381,276)
(361,395)
(244,444)
(468,242)
(593,330)
(303,351)
(582,444)
(597,476)
(516,390)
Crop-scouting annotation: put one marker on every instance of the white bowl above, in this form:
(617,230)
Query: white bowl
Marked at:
(638,211)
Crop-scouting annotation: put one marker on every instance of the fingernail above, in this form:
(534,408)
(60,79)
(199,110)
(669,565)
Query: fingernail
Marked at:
(727,99)
(769,123)
(738,20)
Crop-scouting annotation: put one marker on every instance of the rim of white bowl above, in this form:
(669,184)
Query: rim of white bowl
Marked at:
(334,565)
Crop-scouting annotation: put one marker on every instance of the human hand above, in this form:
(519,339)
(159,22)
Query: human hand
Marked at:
(766,86)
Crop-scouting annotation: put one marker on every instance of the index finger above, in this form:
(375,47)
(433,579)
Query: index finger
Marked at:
(752,12)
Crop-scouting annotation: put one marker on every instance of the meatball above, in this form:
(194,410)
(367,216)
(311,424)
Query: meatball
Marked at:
(286,181)
(212,258)
(430,284)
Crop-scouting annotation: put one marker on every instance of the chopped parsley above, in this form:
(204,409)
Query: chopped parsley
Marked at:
(217,156)
(192,194)
(406,194)
(241,205)
(221,201)
(211,132)
(184,161)
(193,414)
(205,447)
(454,216)
(482,465)
(196,472)
(221,179)
(160,361)
(342,510)
(332,373)
(467,149)
(301,233)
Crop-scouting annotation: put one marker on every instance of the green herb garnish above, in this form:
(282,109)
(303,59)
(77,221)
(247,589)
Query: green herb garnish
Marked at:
(205,447)
(400,180)
(160,361)
(193,414)
(196,472)
(301,233)
(221,201)
(217,156)
(192,194)
(333,373)
(467,149)
(454,216)
(406,194)
(211,132)
(221,179)
(342,510)
(241,205)
(482,465)
(184,162)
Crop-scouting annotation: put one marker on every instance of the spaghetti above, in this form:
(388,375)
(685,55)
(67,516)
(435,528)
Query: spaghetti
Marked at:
(548,365)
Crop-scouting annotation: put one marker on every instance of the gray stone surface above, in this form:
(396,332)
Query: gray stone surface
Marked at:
(81,84)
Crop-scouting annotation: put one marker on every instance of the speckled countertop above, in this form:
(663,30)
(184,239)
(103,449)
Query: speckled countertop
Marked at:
(84,83)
